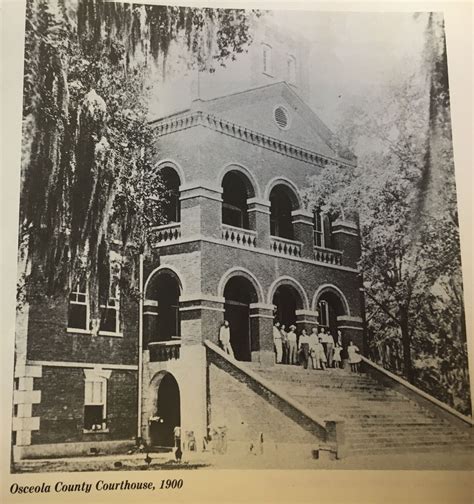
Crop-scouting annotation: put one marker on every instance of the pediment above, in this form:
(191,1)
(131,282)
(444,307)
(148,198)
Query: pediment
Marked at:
(277,111)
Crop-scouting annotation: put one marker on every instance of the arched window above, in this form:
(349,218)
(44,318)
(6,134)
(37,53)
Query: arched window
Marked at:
(236,190)
(171,206)
(267,59)
(282,203)
(291,69)
(322,229)
(162,298)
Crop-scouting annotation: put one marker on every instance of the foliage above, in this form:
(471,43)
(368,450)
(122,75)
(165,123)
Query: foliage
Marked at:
(88,188)
(404,193)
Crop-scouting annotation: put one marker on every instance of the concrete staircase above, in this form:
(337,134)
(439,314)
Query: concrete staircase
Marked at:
(377,418)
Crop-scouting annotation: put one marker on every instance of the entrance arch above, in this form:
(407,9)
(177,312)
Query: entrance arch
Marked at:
(330,304)
(167,410)
(239,293)
(163,291)
(286,300)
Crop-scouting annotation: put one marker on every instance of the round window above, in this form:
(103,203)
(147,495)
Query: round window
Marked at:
(281,117)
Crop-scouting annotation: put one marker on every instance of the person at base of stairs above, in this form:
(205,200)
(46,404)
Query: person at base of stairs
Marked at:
(354,356)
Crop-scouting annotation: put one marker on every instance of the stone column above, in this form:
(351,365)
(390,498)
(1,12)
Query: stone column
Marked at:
(303,231)
(150,321)
(352,329)
(306,319)
(201,318)
(201,210)
(259,220)
(261,326)
(345,237)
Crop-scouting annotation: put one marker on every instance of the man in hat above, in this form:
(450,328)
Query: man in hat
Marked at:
(292,349)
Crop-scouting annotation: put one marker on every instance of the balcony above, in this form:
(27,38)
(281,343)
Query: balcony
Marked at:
(239,236)
(160,235)
(162,351)
(286,247)
(327,256)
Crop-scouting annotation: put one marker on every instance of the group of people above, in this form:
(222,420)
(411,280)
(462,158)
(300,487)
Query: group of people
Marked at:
(321,348)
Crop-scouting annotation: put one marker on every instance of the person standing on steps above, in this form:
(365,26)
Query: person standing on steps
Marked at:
(339,337)
(329,348)
(304,348)
(320,355)
(354,356)
(224,338)
(284,343)
(292,345)
(322,336)
(337,359)
(277,343)
(313,346)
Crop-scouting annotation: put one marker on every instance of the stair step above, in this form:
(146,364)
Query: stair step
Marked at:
(377,418)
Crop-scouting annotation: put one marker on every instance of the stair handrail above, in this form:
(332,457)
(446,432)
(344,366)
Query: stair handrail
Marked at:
(418,392)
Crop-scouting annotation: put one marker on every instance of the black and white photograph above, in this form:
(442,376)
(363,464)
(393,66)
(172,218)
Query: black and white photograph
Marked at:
(238,243)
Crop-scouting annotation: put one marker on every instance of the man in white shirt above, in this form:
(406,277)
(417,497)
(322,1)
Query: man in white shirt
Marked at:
(224,338)
(313,344)
(277,342)
(292,345)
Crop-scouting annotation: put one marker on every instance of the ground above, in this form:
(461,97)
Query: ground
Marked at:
(164,461)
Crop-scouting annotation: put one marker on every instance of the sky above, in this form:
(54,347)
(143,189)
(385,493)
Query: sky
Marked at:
(355,54)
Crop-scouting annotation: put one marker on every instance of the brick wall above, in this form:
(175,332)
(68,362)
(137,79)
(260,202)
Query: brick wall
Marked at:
(48,338)
(61,409)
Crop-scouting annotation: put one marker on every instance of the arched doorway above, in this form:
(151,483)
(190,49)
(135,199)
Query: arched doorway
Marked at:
(171,207)
(167,413)
(286,300)
(164,289)
(282,202)
(330,306)
(239,293)
(236,190)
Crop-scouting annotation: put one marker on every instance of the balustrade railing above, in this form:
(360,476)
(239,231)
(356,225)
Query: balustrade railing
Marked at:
(167,233)
(285,247)
(239,236)
(328,256)
(161,351)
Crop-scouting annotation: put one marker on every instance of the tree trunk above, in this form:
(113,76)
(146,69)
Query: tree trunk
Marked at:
(406,345)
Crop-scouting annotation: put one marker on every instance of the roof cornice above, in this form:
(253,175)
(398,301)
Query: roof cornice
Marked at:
(181,122)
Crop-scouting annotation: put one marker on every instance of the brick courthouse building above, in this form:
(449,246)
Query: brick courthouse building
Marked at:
(239,246)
